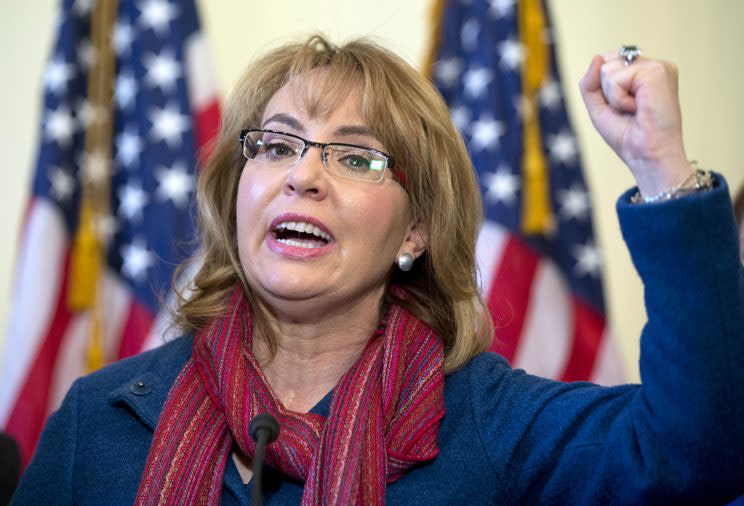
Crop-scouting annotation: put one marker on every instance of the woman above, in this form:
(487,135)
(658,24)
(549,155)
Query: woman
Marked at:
(338,293)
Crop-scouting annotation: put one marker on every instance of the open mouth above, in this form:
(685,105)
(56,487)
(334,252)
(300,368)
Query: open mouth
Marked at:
(300,234)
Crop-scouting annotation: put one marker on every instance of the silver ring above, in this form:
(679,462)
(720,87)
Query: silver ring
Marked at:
(629,54)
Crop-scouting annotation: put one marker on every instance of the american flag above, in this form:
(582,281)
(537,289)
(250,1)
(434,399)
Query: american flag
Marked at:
(494,63)
(164,112)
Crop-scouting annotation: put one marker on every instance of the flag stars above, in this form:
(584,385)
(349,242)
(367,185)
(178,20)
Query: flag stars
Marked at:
(476,81)
(501,186)
(132,200)
(60,126)
(157,14)
(82,7)
(168,124)
(469,34)
(574,203)
(106,227)
(485,133)
(550,95)
(162,70)
(512,54)
(447,71)
(128,147)
(501,8)
(62,184)
(57,74)
(136,260)
(86,54)
(122,37)
(89,114)
(563,148)
(588,261)
(125,90)
(175,184)
(461,117)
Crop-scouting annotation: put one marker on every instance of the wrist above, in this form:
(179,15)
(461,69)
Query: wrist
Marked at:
(697,180)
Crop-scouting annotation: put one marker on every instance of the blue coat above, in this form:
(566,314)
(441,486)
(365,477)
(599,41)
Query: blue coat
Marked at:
(507,437)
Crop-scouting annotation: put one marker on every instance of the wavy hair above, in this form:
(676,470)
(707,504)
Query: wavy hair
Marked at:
(409,117)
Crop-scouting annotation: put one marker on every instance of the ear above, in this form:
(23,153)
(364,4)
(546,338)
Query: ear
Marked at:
(416,239)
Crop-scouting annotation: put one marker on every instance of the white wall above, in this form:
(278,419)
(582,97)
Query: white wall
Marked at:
(703,38)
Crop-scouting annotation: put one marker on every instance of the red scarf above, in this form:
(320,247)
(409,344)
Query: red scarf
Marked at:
(384,416)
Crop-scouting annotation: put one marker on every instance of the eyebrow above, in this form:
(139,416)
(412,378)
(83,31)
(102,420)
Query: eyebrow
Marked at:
(342,131)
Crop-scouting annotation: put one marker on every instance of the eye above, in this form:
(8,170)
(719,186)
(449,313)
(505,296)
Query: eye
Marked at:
(277,149)
(356,162)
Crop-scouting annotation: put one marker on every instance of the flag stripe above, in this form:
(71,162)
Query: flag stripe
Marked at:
(510,294)
(588,331)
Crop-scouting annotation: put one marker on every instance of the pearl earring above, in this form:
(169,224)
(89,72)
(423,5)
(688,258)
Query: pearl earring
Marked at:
(405,262)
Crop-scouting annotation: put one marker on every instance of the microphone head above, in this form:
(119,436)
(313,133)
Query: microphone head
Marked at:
(264,422)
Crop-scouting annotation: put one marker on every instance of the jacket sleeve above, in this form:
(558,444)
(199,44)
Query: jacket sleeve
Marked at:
(678,437)
(49,477)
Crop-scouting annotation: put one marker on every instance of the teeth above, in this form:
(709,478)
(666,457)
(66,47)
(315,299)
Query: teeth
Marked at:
(306,245)
(303,227)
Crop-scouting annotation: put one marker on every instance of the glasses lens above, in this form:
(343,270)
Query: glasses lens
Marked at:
(272,148)
(356,163)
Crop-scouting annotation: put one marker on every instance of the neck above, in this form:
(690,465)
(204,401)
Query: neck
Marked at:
(312,354)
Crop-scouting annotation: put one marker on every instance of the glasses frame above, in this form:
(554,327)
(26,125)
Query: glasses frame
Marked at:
(389,162)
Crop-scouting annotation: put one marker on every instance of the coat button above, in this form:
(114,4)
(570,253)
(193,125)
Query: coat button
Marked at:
(140,388)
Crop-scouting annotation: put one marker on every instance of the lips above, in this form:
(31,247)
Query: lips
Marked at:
(298,235)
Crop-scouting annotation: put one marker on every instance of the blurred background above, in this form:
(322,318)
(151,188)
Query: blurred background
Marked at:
(703,38)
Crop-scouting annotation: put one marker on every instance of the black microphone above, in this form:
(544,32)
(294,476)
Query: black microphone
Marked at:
(263,429)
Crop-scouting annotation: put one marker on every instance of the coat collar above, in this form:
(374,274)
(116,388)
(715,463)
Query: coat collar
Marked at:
(146,388)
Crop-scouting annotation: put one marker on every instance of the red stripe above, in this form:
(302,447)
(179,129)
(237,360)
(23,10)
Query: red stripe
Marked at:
(509,296)
(29,412)
(136,329)
(588,330)
(206,125)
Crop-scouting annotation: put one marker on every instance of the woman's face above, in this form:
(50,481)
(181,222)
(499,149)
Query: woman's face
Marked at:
(364,226)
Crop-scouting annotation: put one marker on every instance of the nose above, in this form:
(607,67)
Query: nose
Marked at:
(308,176)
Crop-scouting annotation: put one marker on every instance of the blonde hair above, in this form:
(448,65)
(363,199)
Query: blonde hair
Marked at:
(409,117)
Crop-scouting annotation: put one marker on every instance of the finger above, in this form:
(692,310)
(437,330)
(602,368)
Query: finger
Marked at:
(617,85)
(591,85)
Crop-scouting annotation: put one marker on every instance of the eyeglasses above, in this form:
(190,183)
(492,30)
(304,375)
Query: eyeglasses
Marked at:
(282,150)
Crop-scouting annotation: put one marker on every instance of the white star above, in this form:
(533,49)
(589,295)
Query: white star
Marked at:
(485,133)
(502,185)
(60,125)
(476,80)
(137,258)
(162,70)
(157,14)
(501,8)
(82,7)
(122,37)
(128,147)
(469,34)
(86,54)
(512,54)
(132,199)
(460,117)
(447,71)
(550,95)
(106,227)
(563,148)
(57,74)
(588,261)
(96,166)
(62,183)
(125,90)
(88,114)
(574,203)
(168,124)
(175,184)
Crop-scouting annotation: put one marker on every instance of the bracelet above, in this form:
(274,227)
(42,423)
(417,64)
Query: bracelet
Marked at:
(697,181)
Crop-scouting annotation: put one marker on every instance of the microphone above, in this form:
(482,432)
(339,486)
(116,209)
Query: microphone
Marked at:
(263,430)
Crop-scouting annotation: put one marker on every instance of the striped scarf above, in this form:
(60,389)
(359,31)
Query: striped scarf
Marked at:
(384,416)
